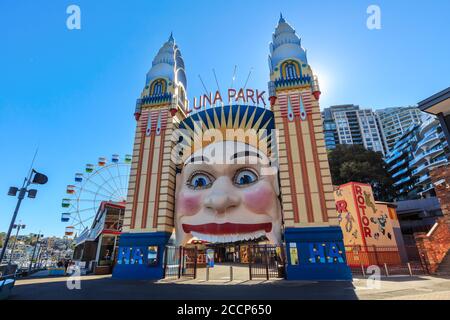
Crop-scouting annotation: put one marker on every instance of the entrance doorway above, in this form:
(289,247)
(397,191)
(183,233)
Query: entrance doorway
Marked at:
(180,262)
(240,261)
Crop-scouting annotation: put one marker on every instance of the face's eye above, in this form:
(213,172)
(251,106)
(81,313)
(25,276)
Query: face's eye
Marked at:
(245,177)
(199,181)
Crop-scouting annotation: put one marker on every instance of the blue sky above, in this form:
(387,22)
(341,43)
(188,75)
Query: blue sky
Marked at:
(72,92)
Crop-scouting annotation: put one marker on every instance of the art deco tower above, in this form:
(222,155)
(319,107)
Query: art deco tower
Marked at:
(149,211)
(310,218)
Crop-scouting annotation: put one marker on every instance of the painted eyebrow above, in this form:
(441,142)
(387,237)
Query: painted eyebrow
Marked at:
(198,159)
(245,154)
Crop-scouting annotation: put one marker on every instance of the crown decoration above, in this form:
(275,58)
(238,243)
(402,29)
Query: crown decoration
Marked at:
(239,123)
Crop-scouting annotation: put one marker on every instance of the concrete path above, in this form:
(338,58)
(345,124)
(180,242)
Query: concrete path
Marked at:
(104,287)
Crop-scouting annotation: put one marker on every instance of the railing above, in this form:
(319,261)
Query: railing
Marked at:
(398,164)
(363,260)
(398,173)
(434,162)
(420,168)
(402,181)
(427,139)
(427,153)
(422,179)
(393,157)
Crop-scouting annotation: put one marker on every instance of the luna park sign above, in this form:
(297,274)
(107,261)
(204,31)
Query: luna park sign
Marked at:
(241,96)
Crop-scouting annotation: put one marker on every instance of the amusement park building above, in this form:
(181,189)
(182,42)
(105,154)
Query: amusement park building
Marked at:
(310,228)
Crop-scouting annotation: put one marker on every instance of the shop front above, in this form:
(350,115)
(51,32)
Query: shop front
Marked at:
(96,248)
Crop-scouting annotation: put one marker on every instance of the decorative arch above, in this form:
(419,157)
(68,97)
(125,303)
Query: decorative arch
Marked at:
(290,69)
(158,87)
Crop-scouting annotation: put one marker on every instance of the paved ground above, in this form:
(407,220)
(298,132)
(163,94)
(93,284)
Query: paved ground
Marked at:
(405,288)
(104,287)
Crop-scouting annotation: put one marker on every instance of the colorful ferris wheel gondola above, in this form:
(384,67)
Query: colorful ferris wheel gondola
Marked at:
(65,217)
(65,203)
(70,189)
(101,161)
(69,231)
(89,168)
(78,177)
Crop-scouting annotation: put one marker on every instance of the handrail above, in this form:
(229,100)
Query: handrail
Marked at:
(433,228)
(426,153)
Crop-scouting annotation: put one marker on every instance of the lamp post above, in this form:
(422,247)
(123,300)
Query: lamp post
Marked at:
(39,235)
(18,227)
(35,178)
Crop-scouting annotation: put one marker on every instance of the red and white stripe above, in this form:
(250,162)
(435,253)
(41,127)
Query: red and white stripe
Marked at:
(295,102)
(143,120)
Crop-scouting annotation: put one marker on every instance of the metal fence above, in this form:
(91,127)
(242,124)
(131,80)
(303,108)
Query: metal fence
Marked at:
(388,259)
(180,262)
(265,262)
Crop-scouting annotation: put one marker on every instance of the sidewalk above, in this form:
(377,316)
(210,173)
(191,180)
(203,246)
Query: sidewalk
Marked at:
(104,287)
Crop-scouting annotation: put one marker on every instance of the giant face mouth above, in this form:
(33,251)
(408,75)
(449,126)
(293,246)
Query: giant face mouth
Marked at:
(227,228)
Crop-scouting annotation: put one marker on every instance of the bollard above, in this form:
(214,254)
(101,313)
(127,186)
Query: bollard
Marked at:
(231,273)
(207,273)
(386,268)
(410,270)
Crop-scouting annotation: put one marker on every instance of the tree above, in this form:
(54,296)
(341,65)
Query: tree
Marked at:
(2,239)
(352,162)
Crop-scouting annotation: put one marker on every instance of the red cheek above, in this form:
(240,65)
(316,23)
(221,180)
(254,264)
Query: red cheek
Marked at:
(188,204)
(260,199)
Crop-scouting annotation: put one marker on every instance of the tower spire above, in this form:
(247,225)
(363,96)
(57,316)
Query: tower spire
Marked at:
(171,37)
(281,18)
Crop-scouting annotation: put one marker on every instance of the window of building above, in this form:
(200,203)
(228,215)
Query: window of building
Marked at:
(291,71)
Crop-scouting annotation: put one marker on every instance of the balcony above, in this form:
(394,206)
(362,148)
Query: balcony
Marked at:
(423,179)
(401,181)
(398,164)
(430,165)
(433,151)
(432,137)
(399,173)
(428,187)
(394,156)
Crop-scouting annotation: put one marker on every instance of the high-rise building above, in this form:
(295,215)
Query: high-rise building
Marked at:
(396,121)
(428,152)
(398,161)
(329,130)
(420,149)
(371,132)
(439,105)
(352,126)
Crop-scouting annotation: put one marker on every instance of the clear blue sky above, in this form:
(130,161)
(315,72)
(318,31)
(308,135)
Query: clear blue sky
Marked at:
(72,93)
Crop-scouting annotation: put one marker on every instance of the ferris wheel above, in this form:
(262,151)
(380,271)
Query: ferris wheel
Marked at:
(104,181)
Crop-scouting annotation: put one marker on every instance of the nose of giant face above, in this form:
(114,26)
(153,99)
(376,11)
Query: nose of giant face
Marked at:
(222,196)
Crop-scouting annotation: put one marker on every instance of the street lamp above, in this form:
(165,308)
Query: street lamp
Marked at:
(18,227)
(37,236)
(33,178)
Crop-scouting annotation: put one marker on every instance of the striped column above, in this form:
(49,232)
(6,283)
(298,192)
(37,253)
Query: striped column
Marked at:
(306,186)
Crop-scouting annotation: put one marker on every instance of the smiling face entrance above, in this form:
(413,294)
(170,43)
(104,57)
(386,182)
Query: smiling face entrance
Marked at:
(226,193)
